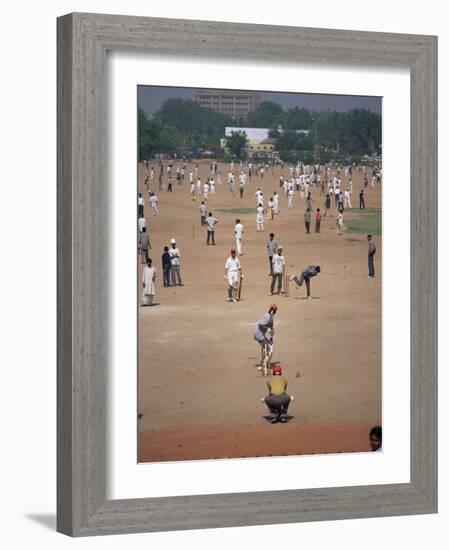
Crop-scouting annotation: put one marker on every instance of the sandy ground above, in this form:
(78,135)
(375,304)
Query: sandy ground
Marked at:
(199,389)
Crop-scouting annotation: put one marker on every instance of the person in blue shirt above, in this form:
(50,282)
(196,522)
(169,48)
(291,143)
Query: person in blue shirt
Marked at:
(166,266)
(306,275)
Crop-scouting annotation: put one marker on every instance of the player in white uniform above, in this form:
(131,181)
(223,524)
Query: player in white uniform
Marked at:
(290,198)
(212,186)
(276,203)
(233,273)
(348,199)
(260,218)
(231,183)
(206,190)
(153,203)
(141,223)
(238,230)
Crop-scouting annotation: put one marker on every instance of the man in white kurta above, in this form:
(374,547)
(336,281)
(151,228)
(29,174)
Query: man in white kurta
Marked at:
(148,280)
(233,272)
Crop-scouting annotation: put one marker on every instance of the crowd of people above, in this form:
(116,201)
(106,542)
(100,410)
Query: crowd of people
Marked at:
(316,189)
(325,181)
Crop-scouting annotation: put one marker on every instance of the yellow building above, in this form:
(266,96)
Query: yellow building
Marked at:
(258,140)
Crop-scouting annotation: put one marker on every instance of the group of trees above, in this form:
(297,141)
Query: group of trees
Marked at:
(185,125)
(180,124)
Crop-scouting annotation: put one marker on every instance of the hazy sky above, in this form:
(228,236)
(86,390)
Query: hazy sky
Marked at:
(150,99)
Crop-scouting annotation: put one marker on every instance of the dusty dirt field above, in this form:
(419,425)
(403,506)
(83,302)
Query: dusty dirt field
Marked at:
(199,389)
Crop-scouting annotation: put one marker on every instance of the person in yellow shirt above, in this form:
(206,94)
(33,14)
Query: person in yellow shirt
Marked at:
(277,401)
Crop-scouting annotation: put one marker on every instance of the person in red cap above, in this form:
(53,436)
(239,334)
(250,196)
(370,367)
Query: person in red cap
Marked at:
(233,274)
(277,401)
(264,330)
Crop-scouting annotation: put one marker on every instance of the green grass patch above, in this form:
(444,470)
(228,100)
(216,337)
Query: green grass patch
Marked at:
(365,221)
(236,210)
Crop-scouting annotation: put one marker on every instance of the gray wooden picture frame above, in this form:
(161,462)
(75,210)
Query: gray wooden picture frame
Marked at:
(83,40)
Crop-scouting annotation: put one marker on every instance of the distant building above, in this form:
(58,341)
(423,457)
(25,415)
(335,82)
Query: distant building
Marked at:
(258,138)
(229,102)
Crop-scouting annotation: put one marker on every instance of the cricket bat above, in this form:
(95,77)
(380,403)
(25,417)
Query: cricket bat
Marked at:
(239,294)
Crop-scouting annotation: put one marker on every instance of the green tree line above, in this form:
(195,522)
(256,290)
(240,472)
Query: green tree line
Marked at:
(184,124)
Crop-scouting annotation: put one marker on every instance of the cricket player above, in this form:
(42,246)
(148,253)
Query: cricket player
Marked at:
(206,189)
(175,271)
(260,218)
(277,401)
(278,271)
(140,205)
(348,199)
(265,324)
(211,222)
(276,203)
(306,275)
(141,222)
(290,197)
(371,252)
(340,223)
(203,212)
(233,274)
(153,203)
(238,231)
(272,246)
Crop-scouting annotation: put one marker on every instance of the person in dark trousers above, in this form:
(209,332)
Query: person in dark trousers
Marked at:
(277,401)
(340,207)
(307,219)
(170,185)
(203,211)
(166,266)
(371,252)
(278,271)
(140,206)
(144,245)
(317,220)
(362,200)
(309,202)
(306,275)
(375,438)
(211,223)
(272,246)
(327,203)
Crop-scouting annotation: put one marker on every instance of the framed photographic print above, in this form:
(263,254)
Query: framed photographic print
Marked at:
(246,274)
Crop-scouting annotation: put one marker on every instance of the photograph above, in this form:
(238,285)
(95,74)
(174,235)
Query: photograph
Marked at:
(259,272)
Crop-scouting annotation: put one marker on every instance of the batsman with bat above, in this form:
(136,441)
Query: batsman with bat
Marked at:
(233,277)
